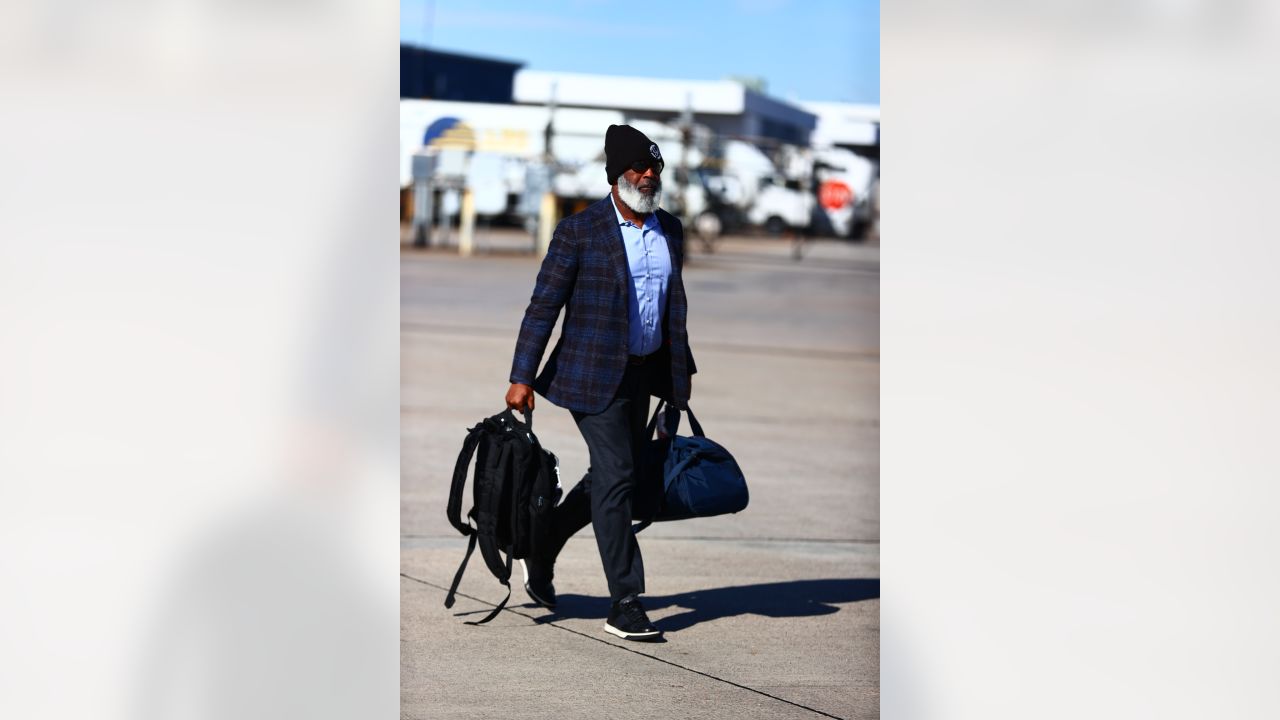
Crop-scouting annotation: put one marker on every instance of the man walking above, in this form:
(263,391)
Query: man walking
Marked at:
(615,270)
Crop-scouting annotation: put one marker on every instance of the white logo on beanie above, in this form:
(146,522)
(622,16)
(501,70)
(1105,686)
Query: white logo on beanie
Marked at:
(653,150)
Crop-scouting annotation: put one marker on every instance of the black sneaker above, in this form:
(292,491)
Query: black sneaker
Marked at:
(541,591)
(628,621)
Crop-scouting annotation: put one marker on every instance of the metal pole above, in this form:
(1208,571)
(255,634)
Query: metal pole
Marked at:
(422,211)
(547,207)
(546,222)
(467,224)
(686,132)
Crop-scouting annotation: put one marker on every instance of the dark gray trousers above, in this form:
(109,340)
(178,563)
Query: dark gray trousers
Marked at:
(605,494)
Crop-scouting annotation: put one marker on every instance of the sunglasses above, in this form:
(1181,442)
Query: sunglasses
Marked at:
(641,165)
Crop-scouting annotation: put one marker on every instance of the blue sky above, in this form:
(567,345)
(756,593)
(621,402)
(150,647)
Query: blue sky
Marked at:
(805,50)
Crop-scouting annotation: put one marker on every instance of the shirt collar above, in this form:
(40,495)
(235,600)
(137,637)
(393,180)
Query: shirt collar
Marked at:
(651,220)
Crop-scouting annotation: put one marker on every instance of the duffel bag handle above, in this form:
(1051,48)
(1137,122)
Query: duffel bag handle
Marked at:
(653,421)
(693,421)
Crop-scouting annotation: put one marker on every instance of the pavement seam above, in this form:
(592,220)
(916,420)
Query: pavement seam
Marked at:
(721,260)
(628,649)
(736,348)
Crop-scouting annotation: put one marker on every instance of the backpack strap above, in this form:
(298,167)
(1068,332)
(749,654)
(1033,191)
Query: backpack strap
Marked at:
(454,509)
(457,577)
(493,494)
(502,604)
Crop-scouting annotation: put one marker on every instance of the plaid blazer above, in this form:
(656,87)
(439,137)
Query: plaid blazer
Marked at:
(586,273)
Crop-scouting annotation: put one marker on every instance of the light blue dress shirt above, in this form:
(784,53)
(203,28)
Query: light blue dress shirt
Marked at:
(649,261)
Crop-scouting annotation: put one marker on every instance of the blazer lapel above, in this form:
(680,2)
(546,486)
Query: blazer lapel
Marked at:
(618,248)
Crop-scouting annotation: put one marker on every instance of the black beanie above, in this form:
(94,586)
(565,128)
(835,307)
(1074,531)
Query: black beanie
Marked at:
(624,145)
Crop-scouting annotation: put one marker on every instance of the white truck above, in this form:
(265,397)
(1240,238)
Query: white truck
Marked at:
(781,206)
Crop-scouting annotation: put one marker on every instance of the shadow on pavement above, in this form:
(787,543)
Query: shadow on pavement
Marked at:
(796,598)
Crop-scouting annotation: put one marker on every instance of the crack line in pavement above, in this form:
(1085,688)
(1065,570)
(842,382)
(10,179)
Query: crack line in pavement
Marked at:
(834,541)
(623,647)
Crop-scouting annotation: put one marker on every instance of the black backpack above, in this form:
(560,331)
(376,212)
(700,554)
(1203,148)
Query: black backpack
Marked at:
(516,485)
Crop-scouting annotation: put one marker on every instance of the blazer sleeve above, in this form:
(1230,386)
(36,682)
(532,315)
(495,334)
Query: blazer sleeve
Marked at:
(550,292)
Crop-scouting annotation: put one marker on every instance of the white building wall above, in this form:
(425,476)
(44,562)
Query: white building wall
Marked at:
(844,123)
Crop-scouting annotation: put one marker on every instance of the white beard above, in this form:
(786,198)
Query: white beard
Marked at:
(636,200)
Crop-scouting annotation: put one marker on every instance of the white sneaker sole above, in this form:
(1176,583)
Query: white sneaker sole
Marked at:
(630,636)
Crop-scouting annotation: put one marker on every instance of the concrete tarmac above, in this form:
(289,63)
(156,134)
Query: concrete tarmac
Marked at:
(769,613)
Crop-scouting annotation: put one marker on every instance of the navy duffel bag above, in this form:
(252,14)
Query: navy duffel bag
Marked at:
(687,477)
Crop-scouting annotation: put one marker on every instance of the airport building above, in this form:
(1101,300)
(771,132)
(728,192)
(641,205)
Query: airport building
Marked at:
(734,151)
